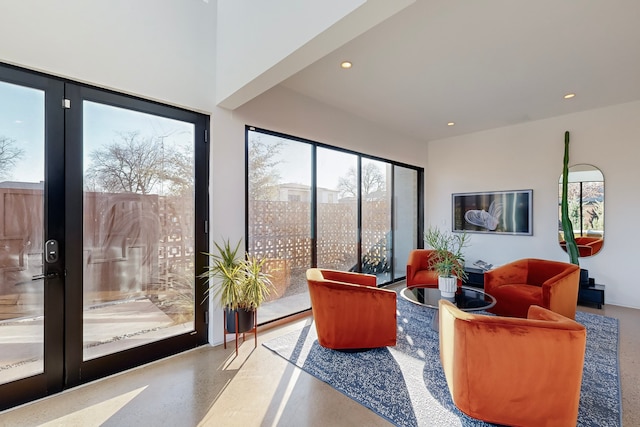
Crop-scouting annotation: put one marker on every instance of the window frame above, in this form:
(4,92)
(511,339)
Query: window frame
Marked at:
(390,187)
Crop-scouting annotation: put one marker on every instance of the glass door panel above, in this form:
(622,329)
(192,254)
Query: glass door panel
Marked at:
(405,217)
(138,228)
(113,190)
(279,218)
(376,219)
(337,196)
(22,145)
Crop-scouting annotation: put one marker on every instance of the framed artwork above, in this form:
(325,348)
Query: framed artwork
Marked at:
(498,212)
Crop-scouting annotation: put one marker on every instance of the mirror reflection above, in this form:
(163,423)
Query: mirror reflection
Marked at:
(586,208)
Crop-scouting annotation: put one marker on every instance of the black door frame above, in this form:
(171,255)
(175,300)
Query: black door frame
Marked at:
(51,380)
(78,371)
(63,365)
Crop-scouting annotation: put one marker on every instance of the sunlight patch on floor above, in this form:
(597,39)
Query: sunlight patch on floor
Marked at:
(97,413)
(295,374)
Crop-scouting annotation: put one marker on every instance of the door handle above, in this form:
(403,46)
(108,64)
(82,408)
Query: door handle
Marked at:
(51,251)
(45,276)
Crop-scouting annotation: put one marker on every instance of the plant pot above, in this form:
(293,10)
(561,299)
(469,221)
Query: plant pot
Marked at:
(246,320)
(448,286)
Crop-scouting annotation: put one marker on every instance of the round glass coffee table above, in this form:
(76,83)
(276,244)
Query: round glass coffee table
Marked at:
(466,299)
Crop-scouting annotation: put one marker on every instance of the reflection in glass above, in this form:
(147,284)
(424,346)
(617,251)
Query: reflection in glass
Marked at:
(337,210)
(21,231)
(138,231)
(586,208)
(376,219)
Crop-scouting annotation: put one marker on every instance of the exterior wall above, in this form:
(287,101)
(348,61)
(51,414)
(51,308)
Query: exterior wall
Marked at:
(529,156)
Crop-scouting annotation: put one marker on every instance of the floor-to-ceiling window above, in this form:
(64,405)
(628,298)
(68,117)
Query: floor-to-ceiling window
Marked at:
(279,216)
(375,178)
(310,204)
(337,209)
(103,204)
(406,217)
(22,177)
(138,228)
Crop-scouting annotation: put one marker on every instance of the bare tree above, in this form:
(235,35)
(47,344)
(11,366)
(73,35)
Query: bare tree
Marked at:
(263,172)
(178,170)
(140,165)
(9,155)
(591,204)
(372,181)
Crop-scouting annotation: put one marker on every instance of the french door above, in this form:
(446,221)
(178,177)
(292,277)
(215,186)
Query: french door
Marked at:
(103,203)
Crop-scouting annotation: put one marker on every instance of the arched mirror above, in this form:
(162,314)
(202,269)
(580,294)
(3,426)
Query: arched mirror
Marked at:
(586,208)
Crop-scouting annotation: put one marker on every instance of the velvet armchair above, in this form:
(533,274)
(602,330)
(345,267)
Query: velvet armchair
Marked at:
(587,246)
(510,371)
(550,284)
(418,271)
(349,311)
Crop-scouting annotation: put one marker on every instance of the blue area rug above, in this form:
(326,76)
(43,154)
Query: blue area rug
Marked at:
(406,385)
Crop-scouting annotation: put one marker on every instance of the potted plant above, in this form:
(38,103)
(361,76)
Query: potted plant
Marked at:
(567,226)
(238,283)
(447,259)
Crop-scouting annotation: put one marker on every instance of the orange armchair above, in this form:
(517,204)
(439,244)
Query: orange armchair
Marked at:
(587,246)
(418,271)
(550,284)
(349,311)
(517,372)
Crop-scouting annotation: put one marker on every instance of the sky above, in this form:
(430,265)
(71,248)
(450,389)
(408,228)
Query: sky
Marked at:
(22,120)
(295,162)
(102,125)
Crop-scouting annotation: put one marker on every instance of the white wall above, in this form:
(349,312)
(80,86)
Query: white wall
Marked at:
(284,110)
(157,49)
(256,36)
(261,43)
(529,156)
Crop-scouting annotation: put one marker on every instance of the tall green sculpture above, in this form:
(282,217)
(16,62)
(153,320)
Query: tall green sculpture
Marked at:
(567,227)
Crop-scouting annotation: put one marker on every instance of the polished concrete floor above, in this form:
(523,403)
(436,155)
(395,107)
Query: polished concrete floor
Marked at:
(211,386)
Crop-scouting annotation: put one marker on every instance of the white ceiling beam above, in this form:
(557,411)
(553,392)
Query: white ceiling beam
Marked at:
(260,44)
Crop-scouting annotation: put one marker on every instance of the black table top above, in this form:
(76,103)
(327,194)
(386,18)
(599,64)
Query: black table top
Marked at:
(466,298)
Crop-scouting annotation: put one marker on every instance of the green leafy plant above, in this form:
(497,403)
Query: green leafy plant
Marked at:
(447,259)
(237,282)
(567,226)
(257,284)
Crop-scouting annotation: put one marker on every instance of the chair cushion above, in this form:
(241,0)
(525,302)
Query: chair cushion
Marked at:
(512,285)
(515,299)
(426,277)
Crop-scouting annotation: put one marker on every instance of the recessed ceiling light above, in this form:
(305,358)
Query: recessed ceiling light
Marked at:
(450,124)
(569,95)
(346,65)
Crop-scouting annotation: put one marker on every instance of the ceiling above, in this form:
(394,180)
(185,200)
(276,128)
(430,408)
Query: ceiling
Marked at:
(482,64)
